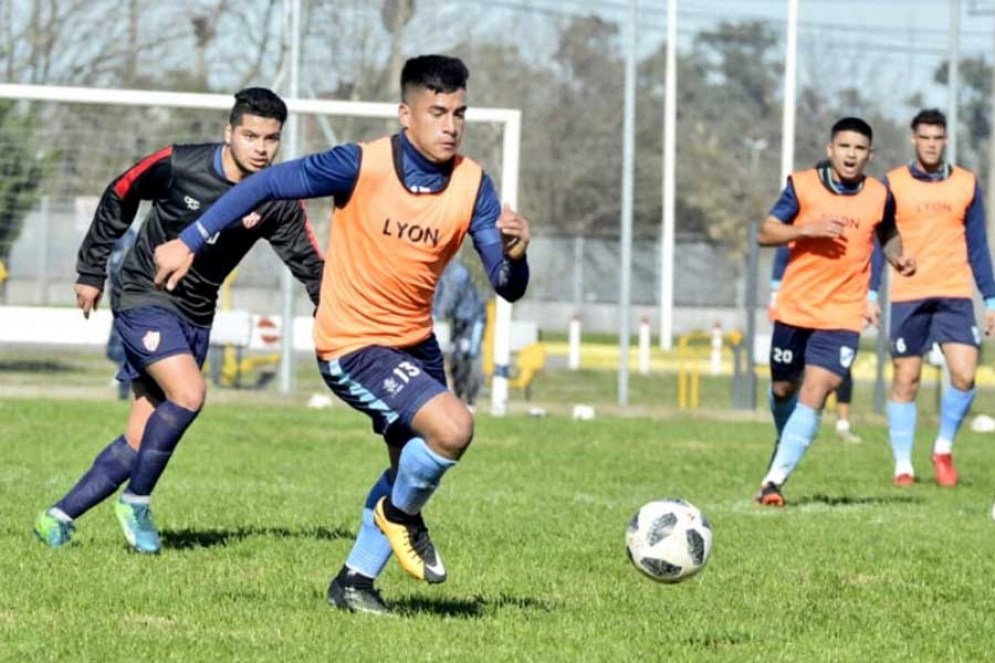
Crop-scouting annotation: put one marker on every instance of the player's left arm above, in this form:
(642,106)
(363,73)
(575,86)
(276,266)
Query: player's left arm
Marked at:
(500,237)
(978,255)
(293,240)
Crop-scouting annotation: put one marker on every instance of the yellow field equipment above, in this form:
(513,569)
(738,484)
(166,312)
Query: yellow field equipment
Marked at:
(693,348)
(526,364)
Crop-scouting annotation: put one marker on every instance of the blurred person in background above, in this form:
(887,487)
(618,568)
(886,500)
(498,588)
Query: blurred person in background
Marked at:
(459,303)
(115,344)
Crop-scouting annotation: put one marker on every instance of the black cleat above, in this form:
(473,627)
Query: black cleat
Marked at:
(356,597)
(770,495)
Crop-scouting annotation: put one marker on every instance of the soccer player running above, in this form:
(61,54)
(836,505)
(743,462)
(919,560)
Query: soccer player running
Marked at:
(165,333)
(939,210)
(829,217)
(403,205)
(844,393)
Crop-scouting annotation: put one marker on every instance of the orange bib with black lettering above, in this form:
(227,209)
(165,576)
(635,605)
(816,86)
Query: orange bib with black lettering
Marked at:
(386,250)
(930,219)
(825,283)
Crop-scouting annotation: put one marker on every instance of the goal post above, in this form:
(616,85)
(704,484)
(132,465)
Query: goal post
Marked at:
(509,121)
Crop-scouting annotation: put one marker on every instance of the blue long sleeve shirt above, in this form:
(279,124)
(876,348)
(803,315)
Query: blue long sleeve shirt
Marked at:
(334,173)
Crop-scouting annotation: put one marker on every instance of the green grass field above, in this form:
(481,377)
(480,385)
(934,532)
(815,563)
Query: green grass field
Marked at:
(259,506)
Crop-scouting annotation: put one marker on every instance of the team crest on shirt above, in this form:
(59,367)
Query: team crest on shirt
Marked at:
(151,340)
(846,356)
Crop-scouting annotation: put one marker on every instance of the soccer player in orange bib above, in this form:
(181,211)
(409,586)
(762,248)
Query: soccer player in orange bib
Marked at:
(828,216)
(939,210)
(403,205)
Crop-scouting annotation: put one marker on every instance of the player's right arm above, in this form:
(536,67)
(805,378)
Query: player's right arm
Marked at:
(779,228)
(330,173)
(146,180)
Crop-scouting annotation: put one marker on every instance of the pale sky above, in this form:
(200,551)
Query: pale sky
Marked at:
(899,43)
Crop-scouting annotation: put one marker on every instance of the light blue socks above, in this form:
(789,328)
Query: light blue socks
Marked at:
(953,409)
(371,551)
(418,474)
(799,431)
(902,433)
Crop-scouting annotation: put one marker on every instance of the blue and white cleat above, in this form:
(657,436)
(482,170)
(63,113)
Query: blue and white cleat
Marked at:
(136,521)
(53,531)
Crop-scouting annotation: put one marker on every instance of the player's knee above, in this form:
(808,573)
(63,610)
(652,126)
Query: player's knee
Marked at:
(453,439)
(962,380)
(905,387)
(190,397)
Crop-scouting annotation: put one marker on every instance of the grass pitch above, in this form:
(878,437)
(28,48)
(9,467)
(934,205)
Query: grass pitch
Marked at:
(259,506)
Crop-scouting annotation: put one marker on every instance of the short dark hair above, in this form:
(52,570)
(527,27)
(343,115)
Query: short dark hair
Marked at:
(258,101)
(931,116)
(438,73)
(854,124)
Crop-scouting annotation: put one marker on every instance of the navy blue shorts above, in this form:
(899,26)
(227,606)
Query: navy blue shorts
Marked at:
(792,348)
(916,325)
(150,333)
(389,385)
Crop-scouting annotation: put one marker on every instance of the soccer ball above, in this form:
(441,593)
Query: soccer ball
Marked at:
(669,540)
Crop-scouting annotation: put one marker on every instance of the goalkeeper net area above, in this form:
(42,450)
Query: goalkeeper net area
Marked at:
(60,148)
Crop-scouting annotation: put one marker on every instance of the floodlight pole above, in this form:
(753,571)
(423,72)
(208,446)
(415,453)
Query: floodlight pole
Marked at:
(953,82)
(787,165)
(628,158)
(291,151)
(669,165)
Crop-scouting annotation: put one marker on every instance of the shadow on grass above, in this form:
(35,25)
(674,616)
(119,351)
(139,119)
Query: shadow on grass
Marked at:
(191,538)
(848,500)
(475,608)
(35,366)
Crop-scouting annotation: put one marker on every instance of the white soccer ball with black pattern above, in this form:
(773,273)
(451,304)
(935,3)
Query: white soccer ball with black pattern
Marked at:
(669,540)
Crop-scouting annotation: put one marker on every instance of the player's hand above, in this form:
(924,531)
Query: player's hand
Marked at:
(872,314)
(514,232)
(251,220)
(87,298)
(172,260)
(824,228)
(904,265)
(989,323)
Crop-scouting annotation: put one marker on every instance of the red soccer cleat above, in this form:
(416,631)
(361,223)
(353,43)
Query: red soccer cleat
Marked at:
(904,480)
(946,473)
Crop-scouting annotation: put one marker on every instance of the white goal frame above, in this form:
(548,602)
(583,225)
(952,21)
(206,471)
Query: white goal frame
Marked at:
(509,119)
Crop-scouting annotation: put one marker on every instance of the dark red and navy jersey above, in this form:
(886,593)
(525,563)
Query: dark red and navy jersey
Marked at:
(183,181)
